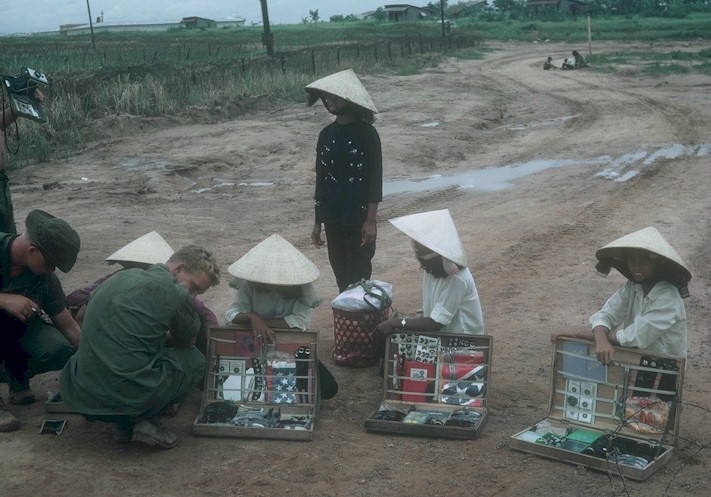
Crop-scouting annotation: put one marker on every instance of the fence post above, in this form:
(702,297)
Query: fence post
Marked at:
(244,67)
(390,51)
(376,51)
(187,54)
(313,61)
(421,47)
(357,51)
(338,56)
(283,63)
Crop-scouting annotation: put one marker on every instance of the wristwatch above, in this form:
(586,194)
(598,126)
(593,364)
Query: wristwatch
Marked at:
(402,323)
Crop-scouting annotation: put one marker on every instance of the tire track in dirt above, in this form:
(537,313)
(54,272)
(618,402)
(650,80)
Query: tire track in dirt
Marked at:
(530,248)
(596,95)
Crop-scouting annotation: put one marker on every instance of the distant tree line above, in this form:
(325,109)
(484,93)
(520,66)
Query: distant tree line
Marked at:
(662,8)
(518,9)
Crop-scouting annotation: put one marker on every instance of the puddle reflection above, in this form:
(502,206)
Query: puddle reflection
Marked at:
(620,169)
(487,179)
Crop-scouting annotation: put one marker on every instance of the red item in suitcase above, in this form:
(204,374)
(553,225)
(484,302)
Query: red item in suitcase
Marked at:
(418,375)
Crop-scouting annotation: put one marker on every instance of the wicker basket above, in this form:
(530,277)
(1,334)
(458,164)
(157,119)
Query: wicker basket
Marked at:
(355,340)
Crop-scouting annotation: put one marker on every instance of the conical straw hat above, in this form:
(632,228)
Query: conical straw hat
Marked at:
(275,261)
(436,231)
(151,248)
(344,84)
(614,255)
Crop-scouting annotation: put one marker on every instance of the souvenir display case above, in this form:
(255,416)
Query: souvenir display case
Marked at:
(436,384)
(259,391)
(622,418)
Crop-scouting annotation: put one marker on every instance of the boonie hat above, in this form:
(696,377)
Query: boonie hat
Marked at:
(344,84)
(275,261)
(436,231)
(614,254)
(149,249)
(57,241)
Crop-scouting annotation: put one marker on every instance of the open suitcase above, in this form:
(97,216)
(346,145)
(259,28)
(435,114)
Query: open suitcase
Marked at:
(622,418)
(435,384)
(255,391)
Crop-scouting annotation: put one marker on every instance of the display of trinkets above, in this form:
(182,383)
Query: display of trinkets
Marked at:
(254,390)
(622,417)
(231,414)
(435,385)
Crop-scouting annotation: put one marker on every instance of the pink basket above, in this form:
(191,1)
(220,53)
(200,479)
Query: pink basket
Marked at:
(355,341)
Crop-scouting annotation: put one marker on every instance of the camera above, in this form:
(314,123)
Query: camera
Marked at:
(21,90)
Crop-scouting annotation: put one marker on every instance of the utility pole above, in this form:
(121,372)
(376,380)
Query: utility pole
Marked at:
(267,36)
(441,11)
(91,26)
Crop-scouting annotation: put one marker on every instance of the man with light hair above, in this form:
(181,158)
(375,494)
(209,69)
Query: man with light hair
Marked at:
(141,253)
(137,355)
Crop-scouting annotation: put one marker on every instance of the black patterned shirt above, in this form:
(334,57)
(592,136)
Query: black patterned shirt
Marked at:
(349,173)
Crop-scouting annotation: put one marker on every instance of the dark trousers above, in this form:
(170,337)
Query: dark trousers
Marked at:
(328,386)
(7,218)
(350,262)
(31,348)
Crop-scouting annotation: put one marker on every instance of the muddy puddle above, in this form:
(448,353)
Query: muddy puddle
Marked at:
(620,169)
(487,179)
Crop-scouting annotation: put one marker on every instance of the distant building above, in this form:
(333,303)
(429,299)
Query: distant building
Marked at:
(463,9)
(573,7)
(120,27)
(116,27)
(62,27)
(230,22)
(400,12)
(198,23)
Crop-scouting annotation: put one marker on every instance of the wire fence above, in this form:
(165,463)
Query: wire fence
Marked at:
(167,79)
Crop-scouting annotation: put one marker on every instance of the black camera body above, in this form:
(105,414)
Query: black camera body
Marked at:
(21,90)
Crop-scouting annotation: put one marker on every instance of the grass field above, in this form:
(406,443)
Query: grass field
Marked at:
(172,73)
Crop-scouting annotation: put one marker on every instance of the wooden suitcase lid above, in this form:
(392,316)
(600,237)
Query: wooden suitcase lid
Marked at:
(421,349)
(237,342)
(585,393)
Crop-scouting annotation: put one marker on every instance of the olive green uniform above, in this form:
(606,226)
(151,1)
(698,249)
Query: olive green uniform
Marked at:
(33,347)
(125,365)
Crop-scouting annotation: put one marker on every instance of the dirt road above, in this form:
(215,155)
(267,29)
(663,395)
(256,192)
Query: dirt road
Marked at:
(538,168)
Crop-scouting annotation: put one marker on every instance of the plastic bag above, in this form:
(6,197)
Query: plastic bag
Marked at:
(647,414)
(367,295)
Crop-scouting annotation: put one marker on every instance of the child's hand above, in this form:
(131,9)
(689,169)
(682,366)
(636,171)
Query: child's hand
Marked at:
(603,348)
